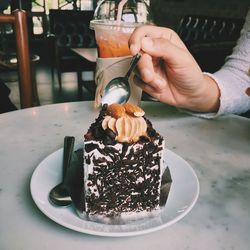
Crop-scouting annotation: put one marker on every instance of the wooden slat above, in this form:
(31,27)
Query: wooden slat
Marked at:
(19,20)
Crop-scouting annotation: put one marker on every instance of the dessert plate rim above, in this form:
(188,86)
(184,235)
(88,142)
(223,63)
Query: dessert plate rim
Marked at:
(183,195)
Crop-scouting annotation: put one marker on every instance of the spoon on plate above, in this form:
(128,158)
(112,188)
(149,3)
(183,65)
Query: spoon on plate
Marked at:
(118,89)
(59,195)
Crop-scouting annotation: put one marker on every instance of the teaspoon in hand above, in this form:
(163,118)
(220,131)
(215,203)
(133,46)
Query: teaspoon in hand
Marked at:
(118,89)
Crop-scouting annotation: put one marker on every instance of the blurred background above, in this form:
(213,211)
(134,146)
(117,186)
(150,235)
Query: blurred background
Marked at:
(55,27)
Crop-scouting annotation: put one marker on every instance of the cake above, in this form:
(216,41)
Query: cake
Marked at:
(123,164)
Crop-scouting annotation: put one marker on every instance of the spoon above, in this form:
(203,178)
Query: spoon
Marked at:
(118,89)
(59,195)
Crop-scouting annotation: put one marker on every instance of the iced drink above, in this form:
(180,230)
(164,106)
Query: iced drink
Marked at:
(112,40)
(114,21)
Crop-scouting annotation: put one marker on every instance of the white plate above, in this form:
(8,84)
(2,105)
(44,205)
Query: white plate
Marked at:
(182,197)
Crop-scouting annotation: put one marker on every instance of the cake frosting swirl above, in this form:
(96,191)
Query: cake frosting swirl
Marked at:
(121,123)
(126,121)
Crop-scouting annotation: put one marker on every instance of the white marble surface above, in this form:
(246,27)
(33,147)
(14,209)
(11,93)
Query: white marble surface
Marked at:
(218,150)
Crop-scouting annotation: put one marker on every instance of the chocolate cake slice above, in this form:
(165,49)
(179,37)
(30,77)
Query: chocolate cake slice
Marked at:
(123,164)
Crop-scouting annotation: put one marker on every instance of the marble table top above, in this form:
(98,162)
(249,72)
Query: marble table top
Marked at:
(218,150)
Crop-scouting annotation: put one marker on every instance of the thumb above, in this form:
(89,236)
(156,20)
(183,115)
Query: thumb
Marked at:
(163,48)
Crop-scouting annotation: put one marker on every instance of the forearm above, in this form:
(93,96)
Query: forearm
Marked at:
(233,84)
(232,97)
(233,78)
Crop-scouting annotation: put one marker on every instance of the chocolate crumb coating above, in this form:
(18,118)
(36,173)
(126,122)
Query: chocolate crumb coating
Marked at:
(116,181)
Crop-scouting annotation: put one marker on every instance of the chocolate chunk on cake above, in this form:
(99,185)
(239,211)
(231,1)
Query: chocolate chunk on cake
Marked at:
(123,164)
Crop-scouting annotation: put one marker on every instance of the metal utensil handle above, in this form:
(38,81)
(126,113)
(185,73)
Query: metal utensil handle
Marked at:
(67,153)
(134,61)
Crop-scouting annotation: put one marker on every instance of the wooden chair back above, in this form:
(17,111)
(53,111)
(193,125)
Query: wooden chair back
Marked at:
(70,29)
(18,19)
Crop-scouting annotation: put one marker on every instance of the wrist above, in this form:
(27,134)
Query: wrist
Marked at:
(211,101)
(207,99)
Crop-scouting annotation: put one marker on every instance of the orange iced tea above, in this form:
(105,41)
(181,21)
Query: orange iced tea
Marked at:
(111,49)
(112,41)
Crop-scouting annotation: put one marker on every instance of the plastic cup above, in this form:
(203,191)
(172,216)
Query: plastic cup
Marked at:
(112,39)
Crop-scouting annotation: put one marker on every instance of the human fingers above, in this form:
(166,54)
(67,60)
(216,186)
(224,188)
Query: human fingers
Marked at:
(165,49)
(147,73)
(153,32)
(139,33)
(147,88)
